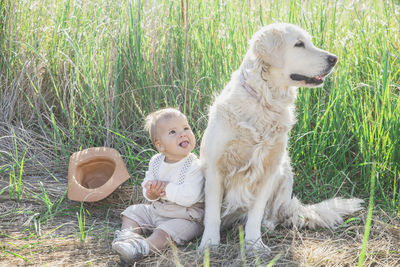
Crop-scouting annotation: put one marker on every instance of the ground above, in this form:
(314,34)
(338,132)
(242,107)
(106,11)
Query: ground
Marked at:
(34,233)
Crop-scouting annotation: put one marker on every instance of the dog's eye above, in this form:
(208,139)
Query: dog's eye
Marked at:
(299,44)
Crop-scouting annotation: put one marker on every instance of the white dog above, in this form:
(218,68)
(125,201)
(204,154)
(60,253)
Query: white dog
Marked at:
(244,148)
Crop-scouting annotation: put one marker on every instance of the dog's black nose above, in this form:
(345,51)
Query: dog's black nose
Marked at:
(332,60)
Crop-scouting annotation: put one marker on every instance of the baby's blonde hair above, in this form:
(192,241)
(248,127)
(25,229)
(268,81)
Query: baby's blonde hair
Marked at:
(153,118)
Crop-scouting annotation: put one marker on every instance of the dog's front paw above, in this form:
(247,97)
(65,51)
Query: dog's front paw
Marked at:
(258,246)
(209,240)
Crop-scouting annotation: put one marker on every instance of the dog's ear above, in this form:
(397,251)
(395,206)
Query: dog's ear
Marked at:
(267,45)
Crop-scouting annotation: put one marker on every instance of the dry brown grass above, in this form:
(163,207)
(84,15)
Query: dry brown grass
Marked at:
(55,241)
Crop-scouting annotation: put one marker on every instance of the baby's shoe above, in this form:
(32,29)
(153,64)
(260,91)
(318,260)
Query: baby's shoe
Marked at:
(123,234)
(132,249)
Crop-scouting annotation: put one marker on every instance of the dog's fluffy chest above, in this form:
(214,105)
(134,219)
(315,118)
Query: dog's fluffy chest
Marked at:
(258,138)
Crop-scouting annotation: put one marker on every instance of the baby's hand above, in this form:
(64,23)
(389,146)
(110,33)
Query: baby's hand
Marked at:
(155,189)
(147,185)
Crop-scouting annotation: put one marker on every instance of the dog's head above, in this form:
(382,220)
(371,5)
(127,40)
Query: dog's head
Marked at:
(290,53)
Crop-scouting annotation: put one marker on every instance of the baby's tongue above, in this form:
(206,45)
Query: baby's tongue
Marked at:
(184,144)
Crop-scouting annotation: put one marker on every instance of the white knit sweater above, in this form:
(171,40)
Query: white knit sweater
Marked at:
(185,181)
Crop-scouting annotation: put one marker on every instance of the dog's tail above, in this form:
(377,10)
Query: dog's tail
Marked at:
(328,213)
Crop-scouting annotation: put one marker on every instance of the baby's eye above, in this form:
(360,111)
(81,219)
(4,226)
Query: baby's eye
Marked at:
(186,128)
(172,132)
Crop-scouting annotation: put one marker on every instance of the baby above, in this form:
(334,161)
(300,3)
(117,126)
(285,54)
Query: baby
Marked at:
(174,186)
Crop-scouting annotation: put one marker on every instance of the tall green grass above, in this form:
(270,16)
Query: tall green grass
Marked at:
(85,73)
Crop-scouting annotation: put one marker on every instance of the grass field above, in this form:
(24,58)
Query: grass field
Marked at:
(78,74)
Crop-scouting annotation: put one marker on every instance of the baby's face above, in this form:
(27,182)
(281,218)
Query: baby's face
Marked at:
(175,138)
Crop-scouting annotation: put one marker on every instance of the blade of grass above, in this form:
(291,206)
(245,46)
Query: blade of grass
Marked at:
(374,176)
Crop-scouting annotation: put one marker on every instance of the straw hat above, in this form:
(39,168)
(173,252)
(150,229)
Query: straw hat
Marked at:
(94,173)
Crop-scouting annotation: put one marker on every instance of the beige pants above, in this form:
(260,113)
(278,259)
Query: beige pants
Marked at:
(181,223)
